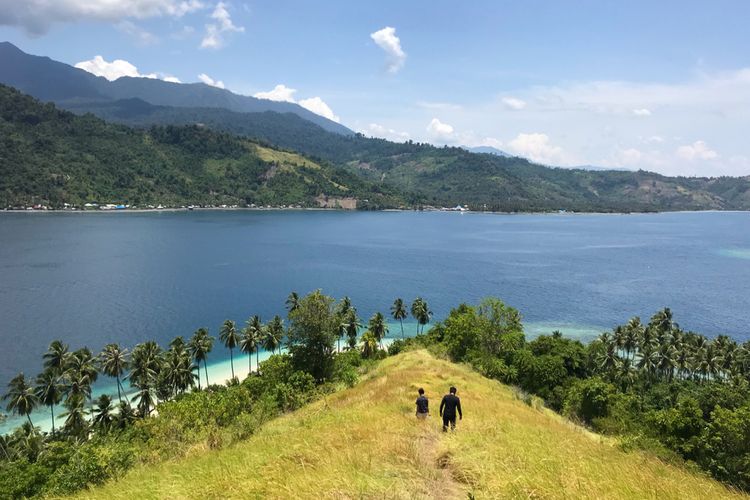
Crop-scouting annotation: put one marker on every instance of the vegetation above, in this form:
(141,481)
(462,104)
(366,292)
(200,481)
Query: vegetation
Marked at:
(53,157)
(364,442)
(678,395)
(656,386)
(99,440)
(447,176)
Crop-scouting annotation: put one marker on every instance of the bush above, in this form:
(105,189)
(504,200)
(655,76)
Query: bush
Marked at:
(588,399)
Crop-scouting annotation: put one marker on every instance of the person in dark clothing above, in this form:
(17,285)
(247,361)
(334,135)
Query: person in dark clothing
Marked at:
(423,405)
(448,408)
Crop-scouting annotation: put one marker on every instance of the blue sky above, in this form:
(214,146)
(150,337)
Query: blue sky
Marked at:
(663,86)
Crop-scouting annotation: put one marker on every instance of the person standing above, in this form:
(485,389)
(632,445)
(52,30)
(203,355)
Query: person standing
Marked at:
(423,405)
(448,408)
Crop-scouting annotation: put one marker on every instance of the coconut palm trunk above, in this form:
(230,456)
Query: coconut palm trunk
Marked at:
(205,367)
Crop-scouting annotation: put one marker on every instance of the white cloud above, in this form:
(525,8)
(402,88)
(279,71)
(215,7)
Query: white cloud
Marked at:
(210,81)
(387,40)
(36,16)
(141,36)
(439,130)
(112,70)
(172,79)
(514,103)
(630,156)
(654,139)
(537,147)
(279,93)
(376,130)
(282,93)
(319,107)
(215,32)
(698,150)
(642,112)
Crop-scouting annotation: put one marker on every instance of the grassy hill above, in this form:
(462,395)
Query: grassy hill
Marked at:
(53,157)
(364,442)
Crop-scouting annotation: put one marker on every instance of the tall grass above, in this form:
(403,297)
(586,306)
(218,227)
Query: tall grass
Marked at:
(365,442)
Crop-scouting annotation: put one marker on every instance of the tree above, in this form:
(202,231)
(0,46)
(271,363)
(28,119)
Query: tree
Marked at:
(49,391)
(102,417)
(255,328)
(312,335)
(417,310)
(369,344)
(378,327)
(179,369)
(228,334)
(199,346)
(113,361)
(292,302)
(76,423)
(352,327)
(125,415)
(398,311)
(420,311)
(248,344)
(56,357)
(145,365)
(274,334)
(21,397)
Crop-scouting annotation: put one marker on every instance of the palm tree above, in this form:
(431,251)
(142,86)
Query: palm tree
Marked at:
(81,373)
(633,332)
(179,369)
(255,327)
(425,315)
(49,391)
(274,334)
(248,344)
(145,365)
(228,335)
(378,327)
(292,302)
(21,397)
(352,328)
(102,414)
(417,310)
(125,415)
(199,346)
(113,361)
(398,311)
(56,357)
(75,418)
(608,360)
(369,344)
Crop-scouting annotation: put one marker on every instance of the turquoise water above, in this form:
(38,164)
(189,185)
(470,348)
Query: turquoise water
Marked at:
(96,278)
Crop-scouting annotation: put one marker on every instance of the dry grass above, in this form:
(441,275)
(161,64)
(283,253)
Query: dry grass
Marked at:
(364,442)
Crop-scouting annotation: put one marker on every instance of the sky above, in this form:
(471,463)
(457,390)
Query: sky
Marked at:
(663,86)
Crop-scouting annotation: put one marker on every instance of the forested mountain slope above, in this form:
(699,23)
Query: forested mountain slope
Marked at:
(49,156)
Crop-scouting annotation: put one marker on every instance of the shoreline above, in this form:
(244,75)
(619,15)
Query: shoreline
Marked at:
(325,209)
(220,370)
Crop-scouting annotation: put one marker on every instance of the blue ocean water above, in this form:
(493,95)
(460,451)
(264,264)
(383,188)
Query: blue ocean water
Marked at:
(90,279)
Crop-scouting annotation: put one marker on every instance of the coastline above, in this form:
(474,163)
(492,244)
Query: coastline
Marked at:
(220,370)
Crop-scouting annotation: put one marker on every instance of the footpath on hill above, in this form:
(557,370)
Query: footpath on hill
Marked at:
(365,442)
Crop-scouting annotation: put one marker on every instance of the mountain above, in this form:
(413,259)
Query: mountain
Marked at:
(54,157)
(486,150)
(65,85)
(364,442)
(444,176)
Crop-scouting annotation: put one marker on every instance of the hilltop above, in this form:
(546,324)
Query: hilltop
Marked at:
(365,442)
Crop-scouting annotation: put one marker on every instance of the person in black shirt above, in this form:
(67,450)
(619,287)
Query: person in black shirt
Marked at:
(448,407)
(423,405)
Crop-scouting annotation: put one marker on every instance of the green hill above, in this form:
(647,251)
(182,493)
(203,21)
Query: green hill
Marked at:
(364,442)
(448,176)
(54,157)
